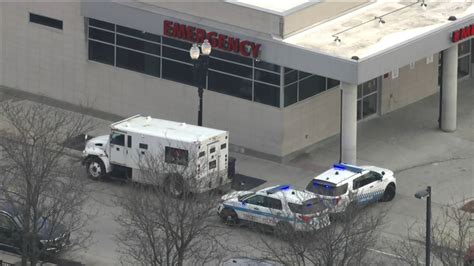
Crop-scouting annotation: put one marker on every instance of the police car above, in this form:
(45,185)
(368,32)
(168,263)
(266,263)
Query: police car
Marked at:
(344,184)
(280,206)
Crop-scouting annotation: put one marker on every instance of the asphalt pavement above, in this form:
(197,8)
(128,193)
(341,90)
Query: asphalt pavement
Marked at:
(407,141)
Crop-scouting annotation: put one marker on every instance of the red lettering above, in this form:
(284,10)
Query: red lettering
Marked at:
(233,45)
(190,34)
(466,32)
(244,49)
(167,27)
(211,38)
(455,37)
(472,30)
(255,49)
(179,31)
(222,44)
(200,35)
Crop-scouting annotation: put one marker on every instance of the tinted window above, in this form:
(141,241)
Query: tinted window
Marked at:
(273,203)
(310,206)
(302,75)
(117,139)
(267,94)
(139,62)
(291,77)
(231,68)
(312,86)
(177,72)
(129,141)
(102,35)
(176,156)
(143,146)
(332,83)
(138,33)
(139,45)
(267,77)
(231,57)
(176,54)
(100,52)
(201,154)
(256,200)
(212,164)
(326,188)
(365,180)
(212,150)
(230,85)
(223,146)
(46,21)
(268,66)
(178,44)
(101,24)
(291,94)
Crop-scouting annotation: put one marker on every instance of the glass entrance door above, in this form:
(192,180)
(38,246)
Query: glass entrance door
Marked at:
(464,60)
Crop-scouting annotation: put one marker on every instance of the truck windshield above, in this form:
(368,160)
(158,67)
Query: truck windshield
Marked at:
(326,188)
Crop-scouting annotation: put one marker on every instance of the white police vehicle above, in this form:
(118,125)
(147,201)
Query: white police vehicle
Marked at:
(279,206)
(348,185)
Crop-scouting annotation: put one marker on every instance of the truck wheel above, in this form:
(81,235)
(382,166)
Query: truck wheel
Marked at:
(95,168)
(175,185)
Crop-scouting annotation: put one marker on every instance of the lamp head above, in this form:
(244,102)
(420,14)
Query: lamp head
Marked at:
(422,194)
(194,52)
(206,47)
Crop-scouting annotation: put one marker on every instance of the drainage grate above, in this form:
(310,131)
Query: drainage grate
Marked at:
(243,182)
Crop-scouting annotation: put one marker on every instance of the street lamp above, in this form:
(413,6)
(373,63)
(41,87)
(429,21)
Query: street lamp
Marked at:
(200,67)
(426,193)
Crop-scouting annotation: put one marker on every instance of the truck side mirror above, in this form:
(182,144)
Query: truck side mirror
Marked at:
(86,137)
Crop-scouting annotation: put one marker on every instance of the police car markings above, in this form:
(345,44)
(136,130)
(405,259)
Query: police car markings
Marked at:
(261,213)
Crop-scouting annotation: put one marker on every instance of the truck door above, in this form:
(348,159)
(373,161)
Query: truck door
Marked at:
(117,148)
(212,157)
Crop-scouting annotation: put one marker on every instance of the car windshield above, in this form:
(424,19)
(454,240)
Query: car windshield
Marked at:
(311,206)
(326,188)
(244,196)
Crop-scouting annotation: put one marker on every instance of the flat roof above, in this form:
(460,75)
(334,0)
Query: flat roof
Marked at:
(279,7)
(361,33)
(166,129)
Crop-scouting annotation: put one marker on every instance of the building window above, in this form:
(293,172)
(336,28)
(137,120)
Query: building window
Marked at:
(300,85)
(101,52)
(367,99)
(46,21)
(464,61)
(230,85)
(138,62)
(178,72)
(267,94)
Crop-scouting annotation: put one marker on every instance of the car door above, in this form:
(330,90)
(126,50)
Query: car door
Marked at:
(275,211)
(9,234)
(366,188)
(256,211)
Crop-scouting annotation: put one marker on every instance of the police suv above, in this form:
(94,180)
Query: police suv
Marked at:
(279,206)
(348,185)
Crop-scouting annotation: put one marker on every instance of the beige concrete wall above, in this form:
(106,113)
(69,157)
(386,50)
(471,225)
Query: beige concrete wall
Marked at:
(411,86)
(316,13)
(51,62)
(226,13)
(311,120)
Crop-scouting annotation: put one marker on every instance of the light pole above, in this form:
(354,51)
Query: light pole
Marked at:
(420,195)
(200,67)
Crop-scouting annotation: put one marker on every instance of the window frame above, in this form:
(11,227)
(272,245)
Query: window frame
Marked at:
(173,159)
(112,138)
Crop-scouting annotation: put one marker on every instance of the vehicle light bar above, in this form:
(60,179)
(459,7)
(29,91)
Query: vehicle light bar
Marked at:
(277,188)
(341,166)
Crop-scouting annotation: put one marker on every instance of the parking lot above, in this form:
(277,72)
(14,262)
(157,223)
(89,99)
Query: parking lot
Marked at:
(407,141)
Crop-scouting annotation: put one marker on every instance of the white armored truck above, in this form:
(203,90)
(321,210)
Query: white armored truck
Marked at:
(180,154)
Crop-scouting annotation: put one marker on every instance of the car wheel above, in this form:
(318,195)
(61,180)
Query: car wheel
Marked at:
(229,217)
(389,193)
(175,185)
(95,168)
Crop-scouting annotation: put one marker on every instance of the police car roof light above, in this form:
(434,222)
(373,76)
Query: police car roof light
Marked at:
(351,168)
(277,188)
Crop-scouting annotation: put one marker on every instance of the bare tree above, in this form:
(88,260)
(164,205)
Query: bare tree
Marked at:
(39,184)
(345,242)
(159,228)
(451,234)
